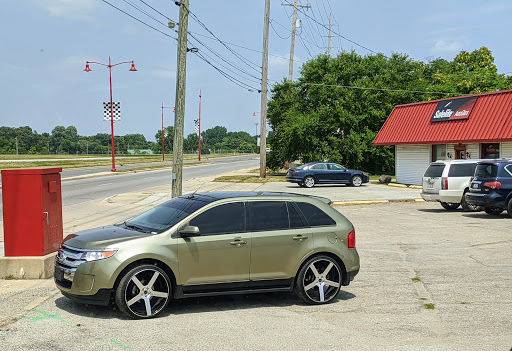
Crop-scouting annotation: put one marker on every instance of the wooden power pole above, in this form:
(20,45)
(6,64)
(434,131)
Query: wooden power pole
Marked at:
(179,117)
(292,46)
(330,29)
(264,72)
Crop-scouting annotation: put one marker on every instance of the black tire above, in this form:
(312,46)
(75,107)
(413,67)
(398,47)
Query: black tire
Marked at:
(309,182)
(356,180)
(509,208)
(450,205)
(469,207)
(136,298)
(319,280)
(301,185)
(494,211)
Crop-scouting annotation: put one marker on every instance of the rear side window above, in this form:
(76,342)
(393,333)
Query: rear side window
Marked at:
(462,170)
(486,171)
(315,216)
(268,215)
(434,171)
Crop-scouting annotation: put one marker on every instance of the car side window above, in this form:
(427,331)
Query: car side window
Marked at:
(295,219)
(336,167)
(315,216)
(222,219)
(319,166)
(462,170)
(268,215)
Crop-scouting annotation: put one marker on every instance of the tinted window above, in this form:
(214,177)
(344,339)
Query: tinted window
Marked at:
(164,216)
(509,170)
(269,215)
(227,218)
(462,170)
(336,167)
(315,216)
(320,166)
(486,171)
(434,171)
(295,219)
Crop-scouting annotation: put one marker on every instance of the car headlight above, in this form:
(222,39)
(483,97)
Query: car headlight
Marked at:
(98,254)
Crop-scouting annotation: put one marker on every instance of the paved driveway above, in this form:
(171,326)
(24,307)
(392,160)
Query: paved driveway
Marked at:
(430,280)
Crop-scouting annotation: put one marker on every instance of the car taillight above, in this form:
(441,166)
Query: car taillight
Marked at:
(444,183)
(293,172)
(352,239)
(492,185)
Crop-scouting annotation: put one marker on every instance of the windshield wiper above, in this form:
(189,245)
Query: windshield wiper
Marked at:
(134,227)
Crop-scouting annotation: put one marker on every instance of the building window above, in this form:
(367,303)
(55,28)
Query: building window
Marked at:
(438,152)
(491,150)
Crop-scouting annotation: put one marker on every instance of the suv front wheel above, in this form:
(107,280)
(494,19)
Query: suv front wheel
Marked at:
(143,292)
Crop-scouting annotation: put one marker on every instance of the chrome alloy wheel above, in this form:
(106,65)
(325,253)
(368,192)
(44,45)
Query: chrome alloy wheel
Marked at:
(357,180)
(145,292)
(309,181)
(322,280)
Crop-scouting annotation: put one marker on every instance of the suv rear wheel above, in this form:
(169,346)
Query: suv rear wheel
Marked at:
(493,210)
(319,280)
(450,205)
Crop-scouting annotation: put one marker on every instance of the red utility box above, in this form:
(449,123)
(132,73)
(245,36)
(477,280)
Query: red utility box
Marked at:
(32,204)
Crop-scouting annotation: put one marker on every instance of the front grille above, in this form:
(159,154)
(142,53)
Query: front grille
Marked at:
(66,262)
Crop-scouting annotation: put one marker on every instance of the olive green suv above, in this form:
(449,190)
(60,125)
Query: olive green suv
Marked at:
(211,244)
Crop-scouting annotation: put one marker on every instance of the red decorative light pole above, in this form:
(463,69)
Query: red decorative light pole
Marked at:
(163,148)
(110,65)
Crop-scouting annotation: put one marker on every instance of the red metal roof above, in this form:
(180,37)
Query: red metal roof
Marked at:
(490,121)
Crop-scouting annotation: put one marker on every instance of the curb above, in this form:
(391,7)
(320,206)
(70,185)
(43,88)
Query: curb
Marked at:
(404,186)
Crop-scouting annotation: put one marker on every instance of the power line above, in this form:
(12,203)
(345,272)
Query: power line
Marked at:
(145,3)
(138,20)
(275,31)
(144,12)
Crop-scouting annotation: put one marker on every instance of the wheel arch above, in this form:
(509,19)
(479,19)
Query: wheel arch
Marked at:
(152,261)
(322,253)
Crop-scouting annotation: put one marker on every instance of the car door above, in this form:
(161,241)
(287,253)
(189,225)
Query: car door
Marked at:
(321,173)
(280,240)
(339,173)
(219,257)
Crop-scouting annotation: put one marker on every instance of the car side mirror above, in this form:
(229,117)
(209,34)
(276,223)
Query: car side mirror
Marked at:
(189,231)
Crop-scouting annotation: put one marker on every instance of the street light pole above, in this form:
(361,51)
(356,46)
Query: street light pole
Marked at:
(199,125)
(110,65)
(163,135)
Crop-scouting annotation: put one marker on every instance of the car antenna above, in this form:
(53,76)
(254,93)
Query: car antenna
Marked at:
(191,196)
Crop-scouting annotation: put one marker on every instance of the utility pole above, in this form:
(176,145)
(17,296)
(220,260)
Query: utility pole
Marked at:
(264,73)
(179,117)
(330,26)
(199,125)
(16,145)
(292,46)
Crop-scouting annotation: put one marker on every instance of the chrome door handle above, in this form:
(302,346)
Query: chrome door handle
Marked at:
(238,242)
(300,237)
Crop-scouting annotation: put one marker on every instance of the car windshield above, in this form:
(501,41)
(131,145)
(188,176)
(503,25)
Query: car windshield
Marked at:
(486,171)
(164,216)
(434,170)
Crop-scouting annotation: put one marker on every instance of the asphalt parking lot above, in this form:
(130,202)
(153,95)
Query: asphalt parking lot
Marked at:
(430,280)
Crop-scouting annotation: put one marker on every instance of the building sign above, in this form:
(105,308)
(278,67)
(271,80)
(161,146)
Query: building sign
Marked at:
(449,110)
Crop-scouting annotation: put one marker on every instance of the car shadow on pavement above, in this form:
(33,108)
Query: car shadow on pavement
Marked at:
(198,304)
(483,215)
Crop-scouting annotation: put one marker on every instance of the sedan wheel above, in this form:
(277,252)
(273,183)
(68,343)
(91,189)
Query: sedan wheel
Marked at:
(319,280)
(450,205)
(493,210)
(356,180)
(143,292)
(309,182)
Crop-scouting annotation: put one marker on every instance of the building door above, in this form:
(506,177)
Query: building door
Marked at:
(460,152)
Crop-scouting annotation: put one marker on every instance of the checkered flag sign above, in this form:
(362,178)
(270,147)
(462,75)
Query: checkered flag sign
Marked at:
(196,128)
(116,111)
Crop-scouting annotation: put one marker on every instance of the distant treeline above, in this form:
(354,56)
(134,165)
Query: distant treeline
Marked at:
(66,140)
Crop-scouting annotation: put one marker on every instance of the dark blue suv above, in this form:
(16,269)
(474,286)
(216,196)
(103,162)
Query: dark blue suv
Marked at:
(491,186)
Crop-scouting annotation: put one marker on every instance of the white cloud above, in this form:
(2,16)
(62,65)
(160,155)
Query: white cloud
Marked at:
(163,73)
(71,62)
(72,9)
(445,46)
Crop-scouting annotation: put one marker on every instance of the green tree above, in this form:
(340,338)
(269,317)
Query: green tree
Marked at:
(168,140)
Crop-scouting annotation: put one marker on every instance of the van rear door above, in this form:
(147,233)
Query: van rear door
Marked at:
(432,178)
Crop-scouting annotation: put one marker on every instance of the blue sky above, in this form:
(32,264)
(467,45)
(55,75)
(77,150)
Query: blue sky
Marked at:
(45,43)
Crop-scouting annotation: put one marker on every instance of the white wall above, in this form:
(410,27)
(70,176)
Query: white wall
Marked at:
(506,149)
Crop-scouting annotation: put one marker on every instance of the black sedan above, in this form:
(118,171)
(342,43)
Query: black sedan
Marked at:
(325,173)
